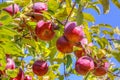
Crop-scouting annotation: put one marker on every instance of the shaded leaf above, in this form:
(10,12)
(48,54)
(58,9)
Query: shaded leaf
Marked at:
(106,5)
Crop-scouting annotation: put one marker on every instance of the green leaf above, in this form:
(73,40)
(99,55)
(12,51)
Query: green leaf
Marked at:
(88,17)
(106,5)
(79,17)
(117,3)
(116,55)
(87,33)
(61,14)
(4,4)
(94,7)
(12,73)
(69,61)
(53,5)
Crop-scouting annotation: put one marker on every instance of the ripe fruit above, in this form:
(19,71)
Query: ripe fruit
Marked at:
(28,78)
(73,32)
(39,7)
(20,75)
(101,70)
(9,9)
(44,30)
(10,64)
(40,67)
(84,65)
(79,53)
(63,45)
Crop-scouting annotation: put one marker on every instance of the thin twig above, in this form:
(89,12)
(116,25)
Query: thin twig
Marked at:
(70,13)
(117,75)
(13,9)
(64,68)
(21,37)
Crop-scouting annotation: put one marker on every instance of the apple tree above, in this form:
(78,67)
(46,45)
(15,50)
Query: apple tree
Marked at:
(38,37)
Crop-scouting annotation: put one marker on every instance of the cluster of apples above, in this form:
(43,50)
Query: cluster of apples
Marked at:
(10,64)
(72,35)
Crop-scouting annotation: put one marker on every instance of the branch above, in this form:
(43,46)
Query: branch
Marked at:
(70,13)
(21,37)
(117,75)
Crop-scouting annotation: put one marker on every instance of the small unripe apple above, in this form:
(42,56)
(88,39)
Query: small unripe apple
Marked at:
(44,30)
(39,7)
(84,65)
(20,75)
(63,45)
(101,70)
(9,9)
(40,67)
(73,32)
(28,78)
(10,64)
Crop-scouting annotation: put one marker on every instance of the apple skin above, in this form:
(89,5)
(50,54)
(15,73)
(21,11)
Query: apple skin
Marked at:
(39,7)
(10,64)
(63,45)
(101,70)
(9,9)
(73,32)
(84,65)
(44,30)
(40,67)
(20,75)
(79,53)
(28,78)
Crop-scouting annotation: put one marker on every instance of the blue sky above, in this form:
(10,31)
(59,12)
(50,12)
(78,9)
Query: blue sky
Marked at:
(112,18)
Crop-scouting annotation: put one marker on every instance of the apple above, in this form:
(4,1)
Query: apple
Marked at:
(84,65)
(40,67)
(73,32)
(44,30)
(28,78)
(10,63)
(101,70)
(20,75)
(79,53)
(39,7)
(9,9)
(63,45)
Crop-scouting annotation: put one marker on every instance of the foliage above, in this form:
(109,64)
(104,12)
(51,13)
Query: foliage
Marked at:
(21,42)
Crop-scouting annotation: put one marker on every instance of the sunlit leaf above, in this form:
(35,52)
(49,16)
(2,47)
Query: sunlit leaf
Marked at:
(106,5)
(117,3)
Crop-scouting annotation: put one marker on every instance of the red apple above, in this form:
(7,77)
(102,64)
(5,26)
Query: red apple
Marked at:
(40,67)
(28,78)
(84,65)
(20,75)
(101,70)
(73,32)
(79,53)
(39,7)
(10,64)
(44,30)
(63,45)
(9,9)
